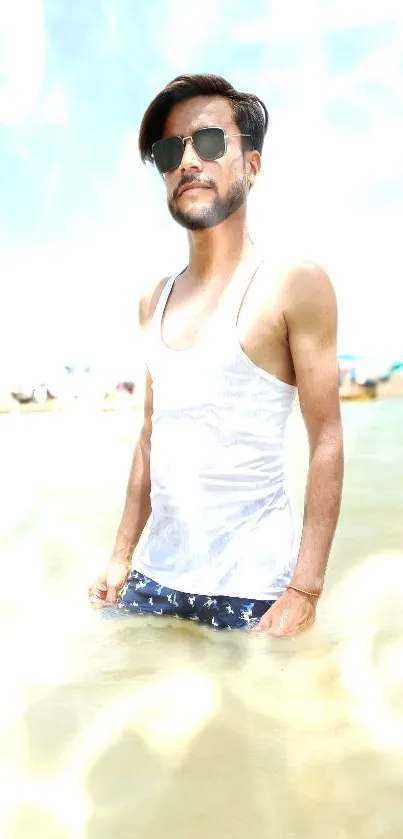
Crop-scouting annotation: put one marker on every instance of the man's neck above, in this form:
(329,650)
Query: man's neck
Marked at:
(214,253)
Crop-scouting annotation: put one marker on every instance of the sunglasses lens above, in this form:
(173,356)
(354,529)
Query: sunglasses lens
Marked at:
(209,143)
(168,153)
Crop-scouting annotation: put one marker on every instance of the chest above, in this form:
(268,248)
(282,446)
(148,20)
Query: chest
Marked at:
(193,317)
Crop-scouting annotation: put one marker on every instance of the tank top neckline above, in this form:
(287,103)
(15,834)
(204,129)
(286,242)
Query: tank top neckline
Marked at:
(227,311)
(225,317)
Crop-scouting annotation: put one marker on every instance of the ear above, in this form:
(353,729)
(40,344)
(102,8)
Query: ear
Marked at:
(254,165)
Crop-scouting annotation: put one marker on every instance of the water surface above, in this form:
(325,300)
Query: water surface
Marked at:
(148,728)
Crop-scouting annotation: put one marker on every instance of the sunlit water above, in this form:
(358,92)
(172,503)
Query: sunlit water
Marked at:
(148,728)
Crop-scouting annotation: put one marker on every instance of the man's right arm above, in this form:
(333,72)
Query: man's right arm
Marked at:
(137,508)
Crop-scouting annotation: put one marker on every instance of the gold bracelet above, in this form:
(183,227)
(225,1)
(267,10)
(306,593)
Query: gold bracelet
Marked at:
(303,591)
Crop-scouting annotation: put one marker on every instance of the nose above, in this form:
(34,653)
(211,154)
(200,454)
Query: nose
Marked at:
(190,159)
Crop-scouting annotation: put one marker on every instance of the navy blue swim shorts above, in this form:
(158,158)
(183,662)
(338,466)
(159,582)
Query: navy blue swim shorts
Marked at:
(142,595)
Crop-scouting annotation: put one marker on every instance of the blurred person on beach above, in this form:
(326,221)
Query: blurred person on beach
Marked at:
(228,343)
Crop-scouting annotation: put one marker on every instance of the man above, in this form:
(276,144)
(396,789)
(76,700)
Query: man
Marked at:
(228,342)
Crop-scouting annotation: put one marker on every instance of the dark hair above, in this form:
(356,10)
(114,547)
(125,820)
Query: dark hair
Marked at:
(250,113)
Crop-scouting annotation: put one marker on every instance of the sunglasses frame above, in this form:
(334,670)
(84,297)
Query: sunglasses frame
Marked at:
(190,137)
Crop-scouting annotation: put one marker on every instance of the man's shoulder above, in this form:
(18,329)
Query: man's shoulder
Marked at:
(298,277)
(306,270)
(298,280)
(291,271)
(149,299)
(308,294)
(301,289)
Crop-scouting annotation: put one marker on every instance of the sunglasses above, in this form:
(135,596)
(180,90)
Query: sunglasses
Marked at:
(208,143)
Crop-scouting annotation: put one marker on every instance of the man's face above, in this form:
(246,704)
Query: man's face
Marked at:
(224,182)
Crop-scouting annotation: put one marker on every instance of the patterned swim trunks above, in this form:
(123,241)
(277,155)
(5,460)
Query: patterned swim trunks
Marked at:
(142,595)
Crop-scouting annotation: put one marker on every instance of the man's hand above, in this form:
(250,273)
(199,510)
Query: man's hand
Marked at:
(104,591)
(292,613)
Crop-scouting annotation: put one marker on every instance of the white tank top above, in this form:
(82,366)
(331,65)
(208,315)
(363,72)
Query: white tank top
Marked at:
(221,521)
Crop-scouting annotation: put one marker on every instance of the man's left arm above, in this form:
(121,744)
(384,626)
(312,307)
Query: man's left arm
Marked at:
(311,319)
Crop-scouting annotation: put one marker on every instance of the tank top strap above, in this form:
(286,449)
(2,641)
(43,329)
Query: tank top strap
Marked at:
(155,322)
(245,275)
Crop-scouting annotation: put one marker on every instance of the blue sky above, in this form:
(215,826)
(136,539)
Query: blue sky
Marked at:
(83,225)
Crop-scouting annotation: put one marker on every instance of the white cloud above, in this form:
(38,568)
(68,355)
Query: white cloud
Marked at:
(290,20)
(23,58)
(283,22)
(180,32)
(338,14)
(79,297)
(53,107)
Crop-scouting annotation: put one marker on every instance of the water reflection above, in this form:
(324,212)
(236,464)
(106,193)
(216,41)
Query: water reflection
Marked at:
(165,725)
(150,727)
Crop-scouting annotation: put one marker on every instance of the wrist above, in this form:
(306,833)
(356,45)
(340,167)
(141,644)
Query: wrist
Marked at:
(121,559)
(313,591)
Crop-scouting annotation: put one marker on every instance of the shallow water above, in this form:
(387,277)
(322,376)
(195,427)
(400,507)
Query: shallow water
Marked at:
(145,728)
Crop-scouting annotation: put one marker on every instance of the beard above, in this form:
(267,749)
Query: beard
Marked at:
(201,218)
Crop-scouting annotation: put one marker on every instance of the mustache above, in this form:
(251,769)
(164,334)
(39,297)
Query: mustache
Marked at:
(192,179)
